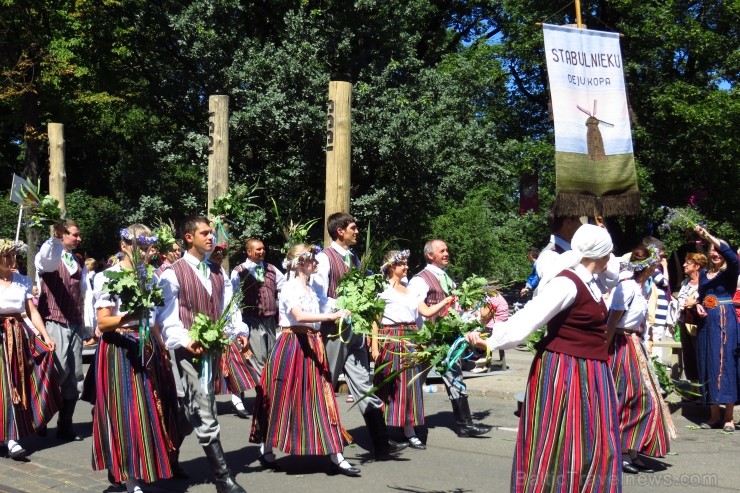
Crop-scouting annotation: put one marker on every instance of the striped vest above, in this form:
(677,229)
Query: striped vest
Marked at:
(60,299)
(193,297)
(160,270)
(435,293)
(337,268)
(259,297)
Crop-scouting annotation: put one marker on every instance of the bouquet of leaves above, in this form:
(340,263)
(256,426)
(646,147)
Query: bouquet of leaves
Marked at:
(358,293)
(42,212)
(212,333)
(137,291)
(441,343)
(166,240)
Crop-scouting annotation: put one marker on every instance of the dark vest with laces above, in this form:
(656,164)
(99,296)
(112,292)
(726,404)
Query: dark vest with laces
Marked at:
(259,297)
(60,298)
(580,329)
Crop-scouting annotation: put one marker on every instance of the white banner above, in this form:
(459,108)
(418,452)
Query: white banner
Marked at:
(16,194)
(587,91)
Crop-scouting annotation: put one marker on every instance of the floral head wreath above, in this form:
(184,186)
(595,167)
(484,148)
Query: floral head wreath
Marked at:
(312,251)
(8,246)
(402,256)
(141,239)
(638,265)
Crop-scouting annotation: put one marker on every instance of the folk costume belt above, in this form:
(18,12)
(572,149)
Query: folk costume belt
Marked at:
(711,302)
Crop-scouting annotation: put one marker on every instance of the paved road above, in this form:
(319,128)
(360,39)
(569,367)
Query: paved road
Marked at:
(701,460)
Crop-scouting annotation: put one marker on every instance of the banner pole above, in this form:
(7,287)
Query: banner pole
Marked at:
(578,14)
(18,228)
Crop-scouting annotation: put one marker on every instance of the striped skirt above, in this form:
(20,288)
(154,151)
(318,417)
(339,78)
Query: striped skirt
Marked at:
(645,422)
(296,410)
(238,373)
(29,387)
(568,439)
(134,418)
(404,403)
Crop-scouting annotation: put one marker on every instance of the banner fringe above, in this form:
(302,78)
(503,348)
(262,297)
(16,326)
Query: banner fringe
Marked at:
(575,204)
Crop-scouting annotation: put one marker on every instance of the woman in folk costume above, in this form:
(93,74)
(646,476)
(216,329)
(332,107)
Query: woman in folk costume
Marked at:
(134,418)
(296,410)
(717,340)
(645,423)
(29,391)
(404,405)
(568,437)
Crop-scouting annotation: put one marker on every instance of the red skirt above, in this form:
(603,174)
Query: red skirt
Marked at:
(134,418)
(29,386)
(645,422)
(238,373)
(403,401)
(296,410)
(568,439)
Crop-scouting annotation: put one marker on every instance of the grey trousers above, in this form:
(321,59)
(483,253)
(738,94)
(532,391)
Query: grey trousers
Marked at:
(352,359)
(261,339)
(452,380)
(198,405)
(68,358)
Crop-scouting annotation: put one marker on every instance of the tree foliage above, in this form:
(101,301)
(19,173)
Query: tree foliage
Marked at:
(450,108)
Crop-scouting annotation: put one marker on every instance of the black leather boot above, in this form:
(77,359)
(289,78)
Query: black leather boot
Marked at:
(224,482)
(464,419)
(383,446)
(65,430)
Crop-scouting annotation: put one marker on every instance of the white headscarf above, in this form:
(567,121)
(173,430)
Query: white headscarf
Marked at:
(589,241)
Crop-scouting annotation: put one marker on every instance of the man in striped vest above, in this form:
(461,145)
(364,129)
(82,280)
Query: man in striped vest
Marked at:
(193,285)
(349,354)
(432,285)
(61,306)
(260,283)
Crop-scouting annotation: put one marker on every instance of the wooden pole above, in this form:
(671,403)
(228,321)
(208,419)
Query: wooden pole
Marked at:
(218,152)
(579,24)
(57,172)
(338,147)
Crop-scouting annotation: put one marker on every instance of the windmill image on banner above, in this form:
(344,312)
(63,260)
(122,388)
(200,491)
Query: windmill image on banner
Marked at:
(594,142)
(594,170)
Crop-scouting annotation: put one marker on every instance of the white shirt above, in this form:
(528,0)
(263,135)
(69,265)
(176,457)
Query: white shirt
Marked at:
(173,331)
(295,295)
(419,286)
(251,266)
(400,308)
(320,280)
(49,256)
(630,297)
(558,295)
(13,297)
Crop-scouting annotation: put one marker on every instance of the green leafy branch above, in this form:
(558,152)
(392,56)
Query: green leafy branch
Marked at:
(42,212)
(212,333)
(136,288)
(358,293)
(165,233)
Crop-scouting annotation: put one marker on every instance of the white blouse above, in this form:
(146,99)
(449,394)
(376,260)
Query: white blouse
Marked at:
(400,308)
(296,295)
(556,296)
(630,297)
(13,298)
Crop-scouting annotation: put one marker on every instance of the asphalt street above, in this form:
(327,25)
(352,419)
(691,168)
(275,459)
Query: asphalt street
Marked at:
(701,460)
